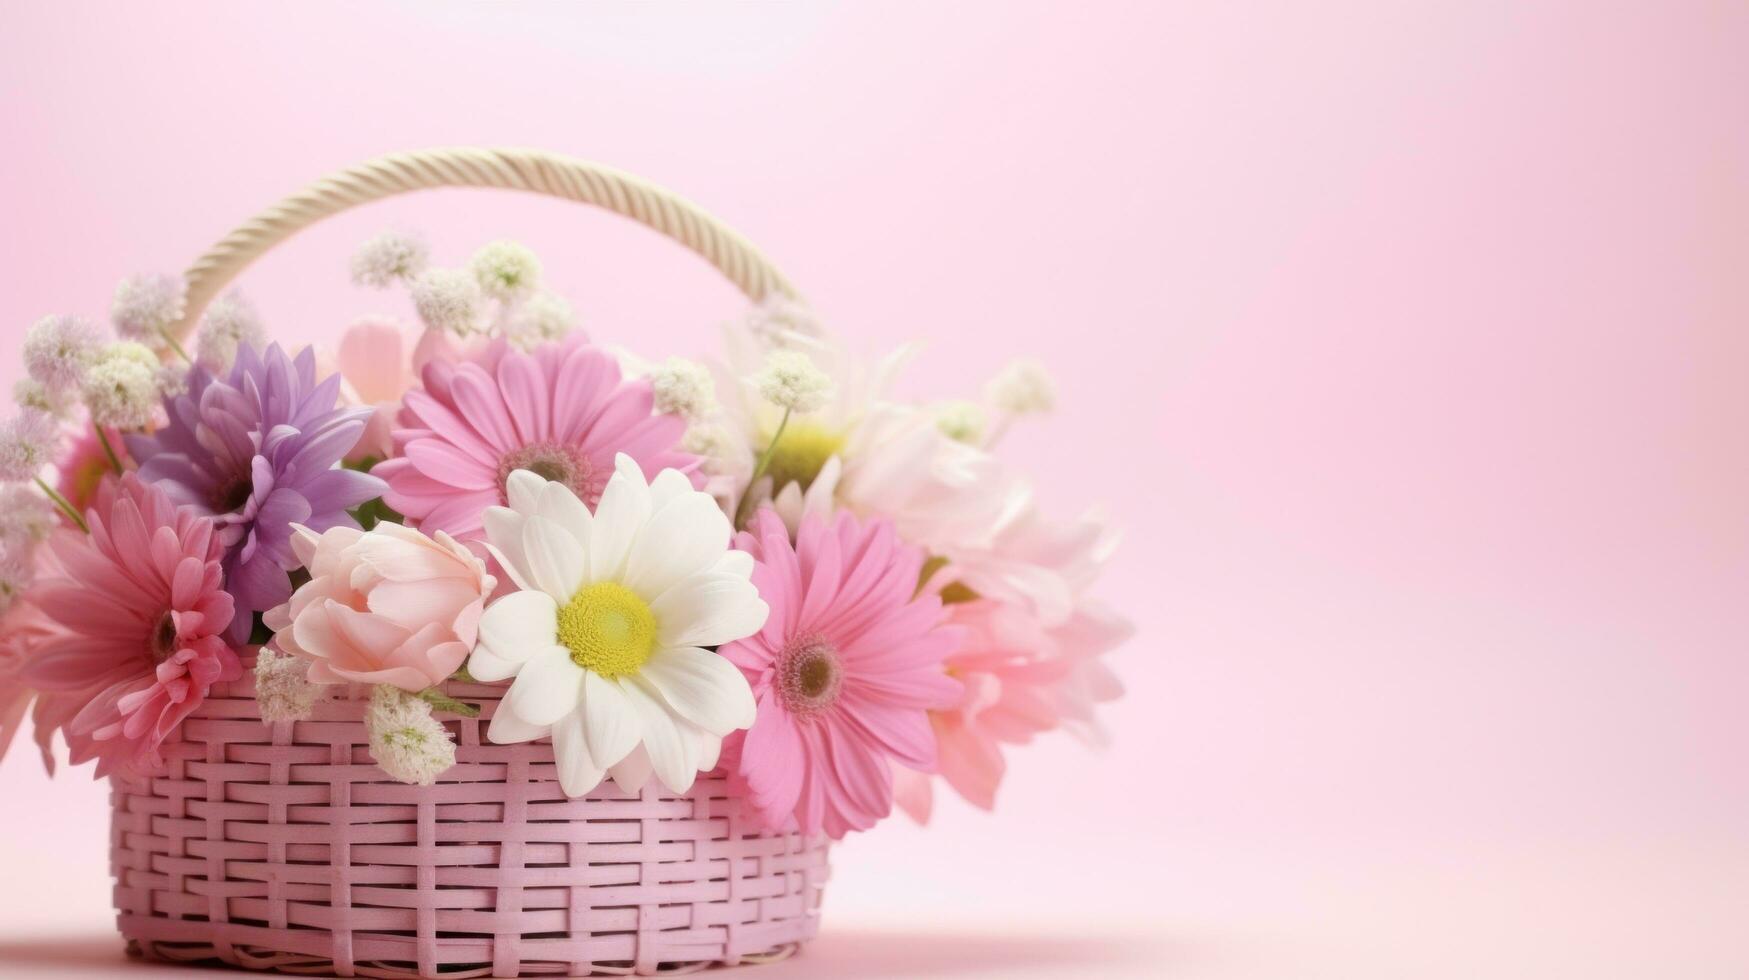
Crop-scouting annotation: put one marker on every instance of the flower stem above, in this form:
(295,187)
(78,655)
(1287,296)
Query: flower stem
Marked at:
(171,340)
(443,702)
(108,450)
(760,467)
(66,508)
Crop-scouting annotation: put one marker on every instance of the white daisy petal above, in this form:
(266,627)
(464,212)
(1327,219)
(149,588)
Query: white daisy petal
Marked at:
(668,485)
(709,747)
(546,689)
(623,509)
(555,558)
(578,772)
(707,610)
(507,729)
(609,721)
(559,505)
(512,630)
(702,687)
(736,563)
(632,772)
(673,758)
(523,489)
(504,540)
(684,537)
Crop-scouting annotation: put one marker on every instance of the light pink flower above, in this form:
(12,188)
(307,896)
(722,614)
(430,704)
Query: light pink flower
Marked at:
(141,613)
(384,606)
(373,360)
(83,466)
(844,673)
(1021,679)
(562,412)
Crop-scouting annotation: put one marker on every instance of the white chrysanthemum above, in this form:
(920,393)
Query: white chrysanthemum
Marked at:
(961,422)
(58,349)
(26,516)
(790,380)
(34,395)
(606,641)
(542,317)
(27,444)
(409,744)
(506,270)
(122,387)
(283,691)
(684,388)
(230,322)
(1021,388)
(448,299)
(146,306)
(390,256)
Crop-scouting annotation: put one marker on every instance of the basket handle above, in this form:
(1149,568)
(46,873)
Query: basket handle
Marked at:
(513,169)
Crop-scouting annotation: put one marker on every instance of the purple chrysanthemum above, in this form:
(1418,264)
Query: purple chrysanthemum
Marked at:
(257,451)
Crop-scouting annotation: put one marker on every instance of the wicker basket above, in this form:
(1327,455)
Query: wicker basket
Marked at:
(284,847)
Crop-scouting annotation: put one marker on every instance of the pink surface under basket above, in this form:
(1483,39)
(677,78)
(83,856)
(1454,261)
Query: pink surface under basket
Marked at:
(285,847)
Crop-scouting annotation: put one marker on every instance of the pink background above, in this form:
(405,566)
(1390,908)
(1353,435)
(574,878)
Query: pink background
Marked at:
(1407,340)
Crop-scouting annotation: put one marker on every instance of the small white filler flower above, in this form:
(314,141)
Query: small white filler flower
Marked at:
(229,323)
(282,687)
(448,299)
(146,306)
(506,271)
(790,381)
(1022,388)
(684,388)
(409,744)
(122,387)
(27,445)
(390,257)
(542,317)
(57,351)
(606,641)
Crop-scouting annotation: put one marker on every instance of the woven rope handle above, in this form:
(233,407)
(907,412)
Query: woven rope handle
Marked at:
(523,170)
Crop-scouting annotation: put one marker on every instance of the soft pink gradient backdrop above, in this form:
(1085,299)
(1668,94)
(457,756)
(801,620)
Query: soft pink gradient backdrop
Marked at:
(1407,340)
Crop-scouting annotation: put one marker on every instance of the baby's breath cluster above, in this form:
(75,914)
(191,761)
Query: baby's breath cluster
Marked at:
(146,307)
(391,257)
(684,388)
(122,388)
(506,271)
(790,381)
(282,690)
(409,744)
(1023,387)
(543,317)
(498,292)
(229,323)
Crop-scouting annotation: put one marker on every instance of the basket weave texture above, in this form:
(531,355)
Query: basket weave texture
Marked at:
(284,847)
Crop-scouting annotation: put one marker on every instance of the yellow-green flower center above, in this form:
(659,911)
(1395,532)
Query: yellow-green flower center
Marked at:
(608,628)
(799,453)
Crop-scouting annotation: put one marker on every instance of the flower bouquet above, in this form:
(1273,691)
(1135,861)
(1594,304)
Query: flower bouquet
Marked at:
(487,649)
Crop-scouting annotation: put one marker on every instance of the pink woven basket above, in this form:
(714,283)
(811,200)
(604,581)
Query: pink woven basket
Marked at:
(284,847)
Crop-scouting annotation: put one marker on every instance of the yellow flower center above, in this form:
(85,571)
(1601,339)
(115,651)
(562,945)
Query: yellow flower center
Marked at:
(798,455)
(608,628)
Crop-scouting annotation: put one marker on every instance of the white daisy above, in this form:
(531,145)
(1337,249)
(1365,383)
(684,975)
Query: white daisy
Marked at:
(606,639)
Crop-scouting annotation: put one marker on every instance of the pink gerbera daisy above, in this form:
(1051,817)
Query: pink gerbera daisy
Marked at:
(562,412)
(845,672)
(141,611)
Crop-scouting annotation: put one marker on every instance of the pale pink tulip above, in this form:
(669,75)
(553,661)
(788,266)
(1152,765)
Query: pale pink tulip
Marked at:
(384,606)
(373,361)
